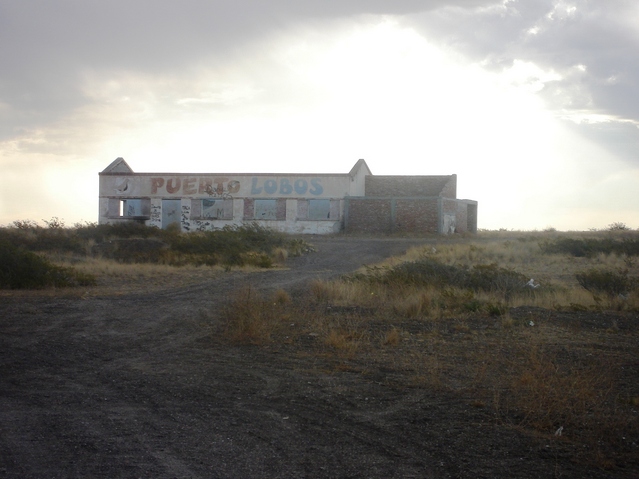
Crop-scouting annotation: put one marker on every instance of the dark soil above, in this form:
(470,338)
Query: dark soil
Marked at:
(141,385)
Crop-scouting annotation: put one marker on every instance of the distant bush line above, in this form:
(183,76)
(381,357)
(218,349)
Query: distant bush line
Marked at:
(24,246)
(21,269)
(430,272)
(588,247)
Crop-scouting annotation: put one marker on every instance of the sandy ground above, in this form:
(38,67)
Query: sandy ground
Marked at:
(140,385)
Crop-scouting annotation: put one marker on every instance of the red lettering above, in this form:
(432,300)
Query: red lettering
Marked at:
(206,185)
(173,185)
(219,185)
(233,186)
(155,184)
(189,186)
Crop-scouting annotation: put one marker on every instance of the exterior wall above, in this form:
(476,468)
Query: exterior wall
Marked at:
(368,215)
(450,188)
(411,186)
(470,211)
(127,185)
(388,215)
(315,204)
(419,215)
(460,216)
(410,215)
(291,195)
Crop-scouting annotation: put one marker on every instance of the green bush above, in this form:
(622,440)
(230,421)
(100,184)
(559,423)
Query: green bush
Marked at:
(27,234)
(133,242)
(588,247)
(233,245)
(133,250)
(490,277)
(617,226)
(430,272)
(20,269)
(612,283)
(102,233)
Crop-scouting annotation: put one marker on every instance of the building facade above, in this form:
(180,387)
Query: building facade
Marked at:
(357,201)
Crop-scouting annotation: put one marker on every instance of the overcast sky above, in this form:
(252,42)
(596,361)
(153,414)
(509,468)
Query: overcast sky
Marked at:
(534,104)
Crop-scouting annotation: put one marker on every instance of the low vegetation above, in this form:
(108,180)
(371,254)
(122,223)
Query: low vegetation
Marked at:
(20,269)
(554,356)
(34,256)
(540,329)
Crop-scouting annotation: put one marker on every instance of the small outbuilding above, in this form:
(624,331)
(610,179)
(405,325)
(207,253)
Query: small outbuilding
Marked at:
(357,201)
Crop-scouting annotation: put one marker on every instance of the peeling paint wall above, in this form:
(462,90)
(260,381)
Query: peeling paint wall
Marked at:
(304,204)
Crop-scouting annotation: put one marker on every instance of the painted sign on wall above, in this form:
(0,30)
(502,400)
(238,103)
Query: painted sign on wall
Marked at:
(225,187)
(285,186)
(193,185)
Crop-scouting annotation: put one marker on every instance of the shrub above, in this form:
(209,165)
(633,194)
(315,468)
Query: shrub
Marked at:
(495,278)
(133,242)
(612,283)
(249,318)
(588,247)
(25,224)
(430,272)
(617,226)
(133,250)
(20,269)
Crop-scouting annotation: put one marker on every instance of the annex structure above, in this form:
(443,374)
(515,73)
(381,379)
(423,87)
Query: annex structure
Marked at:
(354,202)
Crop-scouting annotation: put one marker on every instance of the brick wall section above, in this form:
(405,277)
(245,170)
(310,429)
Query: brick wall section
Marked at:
(450,188)
(449,207)
(249,208)
(465,212)
(410,215)
(280,206)
(368,215)
(302,209)
(411,186)
(386,215)
(472,217)
(416,215)
(462,218)
(469,214)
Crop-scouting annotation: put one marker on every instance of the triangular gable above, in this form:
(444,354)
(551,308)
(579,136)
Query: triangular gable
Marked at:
(118,166)
(360,165)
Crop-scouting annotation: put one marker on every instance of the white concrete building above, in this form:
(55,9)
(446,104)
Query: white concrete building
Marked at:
(356,201)
(296,203)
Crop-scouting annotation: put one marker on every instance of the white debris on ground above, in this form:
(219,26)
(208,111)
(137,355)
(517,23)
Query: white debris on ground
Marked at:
(531,284)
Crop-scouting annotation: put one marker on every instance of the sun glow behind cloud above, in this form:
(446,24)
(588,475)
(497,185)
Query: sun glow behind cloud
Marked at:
(316,100)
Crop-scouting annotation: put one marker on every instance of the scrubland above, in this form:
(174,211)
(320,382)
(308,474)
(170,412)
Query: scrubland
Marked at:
(538,331)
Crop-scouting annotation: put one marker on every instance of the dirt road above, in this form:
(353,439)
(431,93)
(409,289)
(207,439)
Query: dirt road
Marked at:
(138,386)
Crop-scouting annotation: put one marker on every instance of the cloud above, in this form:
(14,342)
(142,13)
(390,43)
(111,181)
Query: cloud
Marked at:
(413,86)
(46,48)
(561,36)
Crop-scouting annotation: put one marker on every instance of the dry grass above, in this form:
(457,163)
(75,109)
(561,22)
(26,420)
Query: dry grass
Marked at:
(115,278)
(522,253)
(555,361)
(250,318)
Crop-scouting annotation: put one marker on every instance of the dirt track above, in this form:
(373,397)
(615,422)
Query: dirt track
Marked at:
(136,386)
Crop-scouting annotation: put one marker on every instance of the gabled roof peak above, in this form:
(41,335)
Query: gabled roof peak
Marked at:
(359,165)
(118,166)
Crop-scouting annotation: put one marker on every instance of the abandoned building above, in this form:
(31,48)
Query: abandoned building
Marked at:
(354,202)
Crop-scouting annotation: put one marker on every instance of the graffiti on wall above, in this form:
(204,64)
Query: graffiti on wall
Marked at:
(225,187)
(219,192)
(186,216)
(450,223)
(201,225)
(156,215)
